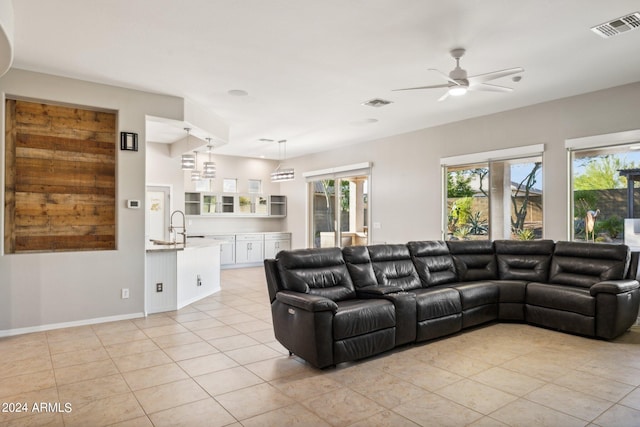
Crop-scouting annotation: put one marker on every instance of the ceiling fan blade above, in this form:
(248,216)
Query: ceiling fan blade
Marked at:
(443,97)
(490,88)
(445,76)
(481,78)
(424,87)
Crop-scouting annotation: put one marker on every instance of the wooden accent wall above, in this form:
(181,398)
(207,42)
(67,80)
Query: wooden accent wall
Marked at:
(60,178)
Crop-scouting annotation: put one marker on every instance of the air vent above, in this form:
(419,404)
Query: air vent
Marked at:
(377,102)
(618,26)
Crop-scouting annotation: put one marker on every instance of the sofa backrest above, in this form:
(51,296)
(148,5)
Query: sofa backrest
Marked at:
(583,264)
(321,272)
(527,260)
(473,259)
(359,266)
(433,262)
(392,266)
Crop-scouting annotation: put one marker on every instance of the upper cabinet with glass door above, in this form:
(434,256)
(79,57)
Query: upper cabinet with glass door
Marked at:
(250,205)
(253,204)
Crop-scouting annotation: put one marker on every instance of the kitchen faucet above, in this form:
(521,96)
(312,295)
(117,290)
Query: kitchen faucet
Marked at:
(173,228)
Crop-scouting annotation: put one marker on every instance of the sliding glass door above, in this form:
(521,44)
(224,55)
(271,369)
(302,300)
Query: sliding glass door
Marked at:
(339,209)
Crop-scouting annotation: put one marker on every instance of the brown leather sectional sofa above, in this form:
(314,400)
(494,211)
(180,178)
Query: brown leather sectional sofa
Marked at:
(334,305)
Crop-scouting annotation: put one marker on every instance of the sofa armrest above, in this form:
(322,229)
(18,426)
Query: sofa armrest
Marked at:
(377,291)
(614,287)
(306,302)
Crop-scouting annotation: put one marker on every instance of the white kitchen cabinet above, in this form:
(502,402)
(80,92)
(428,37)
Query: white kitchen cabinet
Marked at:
(234,205)
(227,248)
(249,248)
(276,242)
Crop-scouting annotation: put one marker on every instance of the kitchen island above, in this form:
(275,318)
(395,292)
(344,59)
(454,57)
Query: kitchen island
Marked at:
(178,275)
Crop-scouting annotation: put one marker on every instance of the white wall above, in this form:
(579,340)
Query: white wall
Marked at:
(162,169)
(406,178)
(52,288)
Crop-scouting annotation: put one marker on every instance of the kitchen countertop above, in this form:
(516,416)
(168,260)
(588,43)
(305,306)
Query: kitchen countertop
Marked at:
(192,243)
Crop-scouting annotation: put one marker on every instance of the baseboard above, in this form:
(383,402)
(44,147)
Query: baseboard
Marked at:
(50,326)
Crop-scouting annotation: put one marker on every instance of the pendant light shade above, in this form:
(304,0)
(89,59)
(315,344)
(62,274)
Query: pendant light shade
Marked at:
(195,173)
(209,167)
(188,161)
(281,174)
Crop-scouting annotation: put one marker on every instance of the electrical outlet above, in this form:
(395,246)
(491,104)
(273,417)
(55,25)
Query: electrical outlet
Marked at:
(159,287)
(125,293)
(199,281)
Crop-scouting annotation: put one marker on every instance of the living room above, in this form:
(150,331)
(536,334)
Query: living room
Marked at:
(405,201)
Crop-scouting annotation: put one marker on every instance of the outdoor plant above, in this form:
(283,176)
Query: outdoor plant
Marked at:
(525,234)
(462,233)
(476,224)
(613,226)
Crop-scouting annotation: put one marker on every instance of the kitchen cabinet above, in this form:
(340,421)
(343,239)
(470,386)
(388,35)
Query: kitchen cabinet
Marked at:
(249,248)
(227,248)
(253,205)
(236,205)
(276,242)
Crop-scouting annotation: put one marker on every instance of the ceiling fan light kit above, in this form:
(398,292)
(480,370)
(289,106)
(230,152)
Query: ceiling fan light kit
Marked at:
(459,84)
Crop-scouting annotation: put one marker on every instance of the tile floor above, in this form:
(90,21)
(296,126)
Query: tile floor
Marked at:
(216,363)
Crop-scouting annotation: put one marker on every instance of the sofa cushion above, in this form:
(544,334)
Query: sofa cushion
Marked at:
(512,291)
(477,293)
(473,259)
(433,262)
(392,266)
(359,266)
(524,260)
(358,317)
(321,272)
(435,302)
(583,264)
(563,298)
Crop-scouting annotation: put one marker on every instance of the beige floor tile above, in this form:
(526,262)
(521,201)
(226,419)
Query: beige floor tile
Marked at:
(263,336)
(29,365)
(217,332)
(85,371)
(153,376)
(26,383)
(82,392)
(434,410)
(236,318)
(293,415)
(205,412)
(487,422)
(428,377)
(220,382)
(385,419)
(197,325)
(182,318)
(103,412)
(479,397)
(577,404)
(594,385)
(154,321)
(66,334)
(122,336)
(233,342)
(252,354)
(343,407)
(619,416)
(252,326)
(75,344)
(620,373)
(524,413)
(190,351)
(14,349)
(632,399)
(281,367)
(141,360)
(158,331)
(134,347)
(388,390)
(41,419)
(206,364)
(263,398)
(173,340)
(159,398)
(530,365)
(114,327)
(509,381)
(300,387)
(135,422)
(459,364)
(62,360)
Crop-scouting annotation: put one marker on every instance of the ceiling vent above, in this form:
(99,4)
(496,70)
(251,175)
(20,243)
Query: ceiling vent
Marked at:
(618,26)
(377,102)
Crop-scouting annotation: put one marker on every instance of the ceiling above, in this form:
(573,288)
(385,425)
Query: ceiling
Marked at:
(307,65)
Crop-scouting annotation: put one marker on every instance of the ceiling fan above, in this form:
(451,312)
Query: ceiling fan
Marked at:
(458,83)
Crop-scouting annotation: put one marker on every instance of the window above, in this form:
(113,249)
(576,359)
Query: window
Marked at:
(255,186)
(495,198)
(599,190)
(229,185)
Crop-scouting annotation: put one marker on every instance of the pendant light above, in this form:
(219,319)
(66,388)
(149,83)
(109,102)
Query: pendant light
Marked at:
(195,173)
(281,174)
(209,168)
(188,161)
